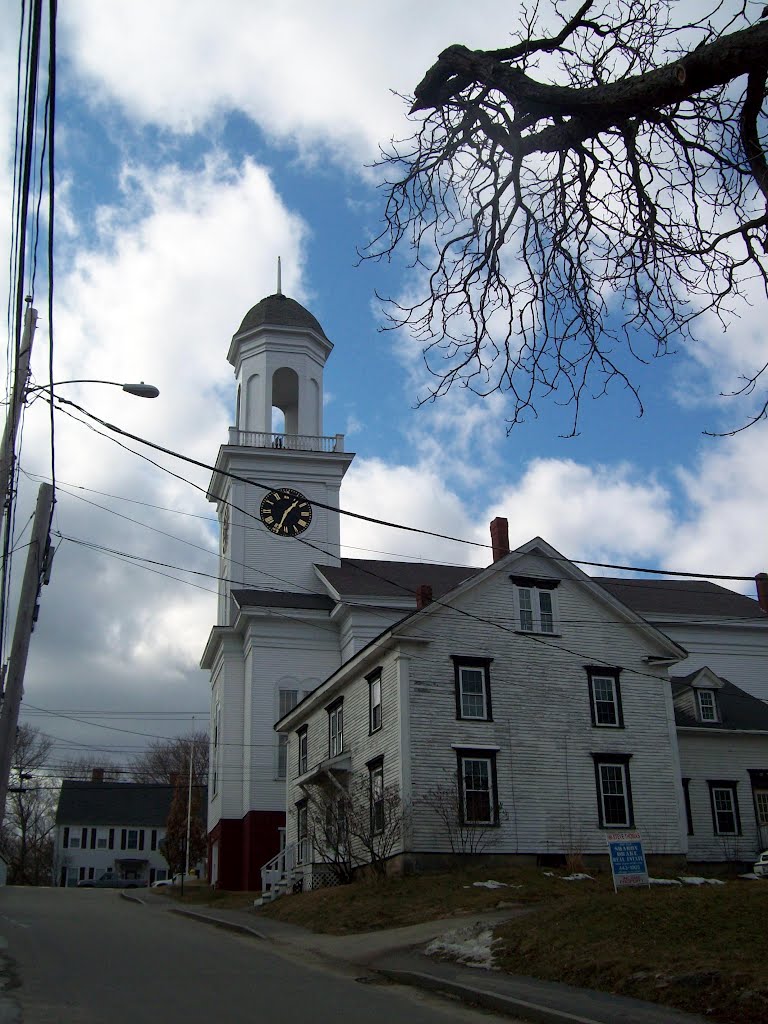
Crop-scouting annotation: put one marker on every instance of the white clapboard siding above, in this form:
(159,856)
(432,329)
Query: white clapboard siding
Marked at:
(722,756)
(542,724)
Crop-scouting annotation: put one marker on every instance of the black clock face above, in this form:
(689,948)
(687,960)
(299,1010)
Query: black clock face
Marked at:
(285,512)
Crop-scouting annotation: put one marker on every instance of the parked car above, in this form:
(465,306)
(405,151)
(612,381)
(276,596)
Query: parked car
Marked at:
(761,865)
(109,880)
(176,880)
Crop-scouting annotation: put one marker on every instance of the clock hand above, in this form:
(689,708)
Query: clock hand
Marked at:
(289,509)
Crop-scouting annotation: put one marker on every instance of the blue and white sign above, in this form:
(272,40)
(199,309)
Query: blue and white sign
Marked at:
(627,859)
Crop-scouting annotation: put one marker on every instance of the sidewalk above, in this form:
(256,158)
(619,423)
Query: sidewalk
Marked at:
(396,954)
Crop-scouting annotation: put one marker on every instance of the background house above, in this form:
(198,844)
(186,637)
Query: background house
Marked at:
(111,826)
(723,740)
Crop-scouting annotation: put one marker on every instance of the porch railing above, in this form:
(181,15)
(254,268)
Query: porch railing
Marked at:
(291,442)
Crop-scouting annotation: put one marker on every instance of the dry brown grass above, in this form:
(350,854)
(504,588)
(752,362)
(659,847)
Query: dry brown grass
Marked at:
(702,949)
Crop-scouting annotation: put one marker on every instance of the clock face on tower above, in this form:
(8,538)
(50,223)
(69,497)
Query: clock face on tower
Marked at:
(285,512)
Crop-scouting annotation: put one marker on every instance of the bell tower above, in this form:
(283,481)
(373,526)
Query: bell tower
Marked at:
(277,442)
(276,487)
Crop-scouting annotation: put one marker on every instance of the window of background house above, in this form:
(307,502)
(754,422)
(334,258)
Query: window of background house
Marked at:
(477,782)
(335,729)
(614,793)
(725,808)
(288,699)
(472,679)
(605,697)
(374,701)
(377,797)
(132,840)
(707,705)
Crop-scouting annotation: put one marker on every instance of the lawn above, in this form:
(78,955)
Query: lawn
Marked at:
(703,949)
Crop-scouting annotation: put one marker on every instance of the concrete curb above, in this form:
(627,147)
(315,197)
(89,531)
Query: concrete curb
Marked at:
(218,922)
(488,1000)
(132,899)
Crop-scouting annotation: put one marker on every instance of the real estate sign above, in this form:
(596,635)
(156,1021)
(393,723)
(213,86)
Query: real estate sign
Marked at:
(627,859)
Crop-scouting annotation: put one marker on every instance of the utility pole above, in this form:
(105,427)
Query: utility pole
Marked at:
(35,572)
(17,400)
(189,796)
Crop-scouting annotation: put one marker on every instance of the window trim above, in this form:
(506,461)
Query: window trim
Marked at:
(730,786)
(376,771)
(612,759)
(599,672)
(336,712)
(302,840)
(461,661)
(373,679)
(478,754)
(700,690)
(302,754)
(688,810)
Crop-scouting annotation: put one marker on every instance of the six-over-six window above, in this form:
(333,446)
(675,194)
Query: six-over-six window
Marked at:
(472,680)
(614,791)
(605,697)
(477,787)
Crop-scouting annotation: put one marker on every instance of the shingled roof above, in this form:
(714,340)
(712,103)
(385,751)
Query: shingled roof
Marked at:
(372,578)
(681,597)
(144,804)
(737,709)
(280,311)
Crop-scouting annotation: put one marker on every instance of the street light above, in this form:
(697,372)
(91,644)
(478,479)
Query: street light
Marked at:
(141,390)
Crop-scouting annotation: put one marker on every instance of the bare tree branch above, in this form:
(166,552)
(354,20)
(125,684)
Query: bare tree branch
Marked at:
(566,228)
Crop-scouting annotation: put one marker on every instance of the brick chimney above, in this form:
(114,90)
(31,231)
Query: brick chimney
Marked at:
(761,582)
(499,538)
(423,596)
(97,774)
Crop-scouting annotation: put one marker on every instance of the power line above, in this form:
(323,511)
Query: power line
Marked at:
(369,519)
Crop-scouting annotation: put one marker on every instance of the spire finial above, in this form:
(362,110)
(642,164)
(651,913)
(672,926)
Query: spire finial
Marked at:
(279,276)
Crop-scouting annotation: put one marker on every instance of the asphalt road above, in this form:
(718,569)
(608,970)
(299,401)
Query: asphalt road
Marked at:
(88,956)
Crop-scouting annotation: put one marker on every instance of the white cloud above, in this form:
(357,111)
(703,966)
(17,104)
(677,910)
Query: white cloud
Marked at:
(157,296)
(313,73)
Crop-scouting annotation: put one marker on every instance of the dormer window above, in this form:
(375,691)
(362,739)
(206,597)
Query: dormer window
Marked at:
(707,705)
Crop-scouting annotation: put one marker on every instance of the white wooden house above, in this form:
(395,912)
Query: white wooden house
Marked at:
(723,741)
(528,687)
(115,827)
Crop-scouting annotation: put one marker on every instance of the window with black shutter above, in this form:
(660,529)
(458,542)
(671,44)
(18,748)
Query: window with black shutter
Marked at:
(153,840)
(123,838)
(111,839)
(93,838)
(65,841)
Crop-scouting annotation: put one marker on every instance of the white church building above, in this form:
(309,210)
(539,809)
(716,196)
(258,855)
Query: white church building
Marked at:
(291,611)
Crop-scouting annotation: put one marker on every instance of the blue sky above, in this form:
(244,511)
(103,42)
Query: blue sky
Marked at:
(194,146)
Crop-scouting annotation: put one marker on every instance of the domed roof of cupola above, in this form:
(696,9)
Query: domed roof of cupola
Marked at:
(280,311)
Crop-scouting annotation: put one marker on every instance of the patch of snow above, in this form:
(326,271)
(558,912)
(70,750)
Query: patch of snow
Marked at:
(751,876)
(665,881)
(490,884)
(698,880)
(472,945)
(549,874)
(577,876)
